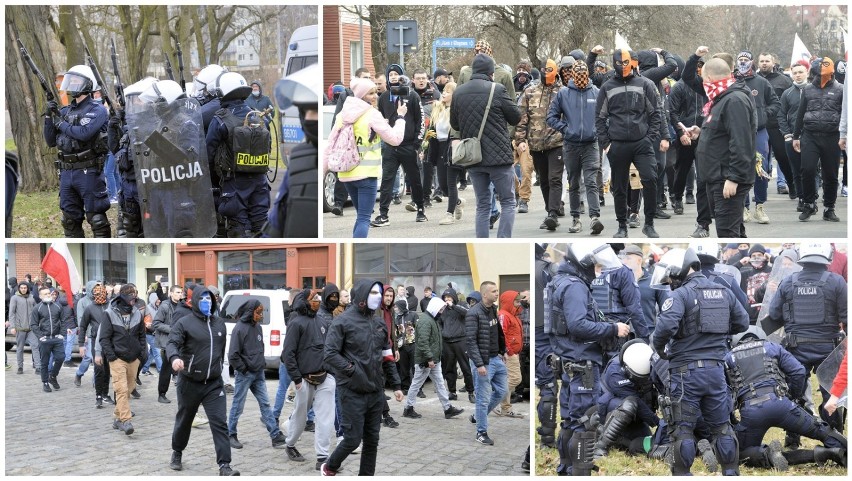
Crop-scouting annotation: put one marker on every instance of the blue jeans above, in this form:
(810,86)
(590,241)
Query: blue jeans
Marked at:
(761,185)
(503,178)
(87,359)
(153,354)
(113,180)
(490,389)
(363,195)
(256,383)
(70,340)
(281,394)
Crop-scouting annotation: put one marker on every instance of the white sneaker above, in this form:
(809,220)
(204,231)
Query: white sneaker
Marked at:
(448,219)
(746,215)
(760,216)
(459,209)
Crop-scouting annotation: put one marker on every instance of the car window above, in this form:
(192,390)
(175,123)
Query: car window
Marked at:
(232,304)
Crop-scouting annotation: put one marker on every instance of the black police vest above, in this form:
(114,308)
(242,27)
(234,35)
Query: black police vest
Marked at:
(247,148)
(124,159)
(302,195)
(710,314)
(753,366)
(607,297)
(97,144)
(554,316)
(808,307)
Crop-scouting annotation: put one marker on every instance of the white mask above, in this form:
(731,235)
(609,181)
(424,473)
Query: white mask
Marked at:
(373,301)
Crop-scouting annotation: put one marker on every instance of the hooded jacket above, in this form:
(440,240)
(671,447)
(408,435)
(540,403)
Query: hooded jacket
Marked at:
(93,316)
(428,346)
(245,353)
(120,338)
(726,146)
(387,315)
(572,113)
(484,334)
(304,345)
(83,303)
(260,102)
(513,329)
(468,109)
(415,121)
(452,319)
(475,295)
(199,341)
(354,109)
(326,312)
(411,299)
(163,321)
(534,103)
(21,308)
(357,350)
(685,106)
(404,324)
(627,110)
(780,82)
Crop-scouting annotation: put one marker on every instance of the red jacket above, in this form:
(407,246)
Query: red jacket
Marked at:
(512,327)
(841,380)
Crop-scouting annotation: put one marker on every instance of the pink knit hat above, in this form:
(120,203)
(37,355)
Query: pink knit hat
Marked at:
(361,86)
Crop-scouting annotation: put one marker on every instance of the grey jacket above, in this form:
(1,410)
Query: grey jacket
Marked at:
(163,321)
(20,309)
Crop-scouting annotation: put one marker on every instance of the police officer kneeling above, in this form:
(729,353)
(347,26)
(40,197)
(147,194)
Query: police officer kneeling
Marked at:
(692,332)
(80,134)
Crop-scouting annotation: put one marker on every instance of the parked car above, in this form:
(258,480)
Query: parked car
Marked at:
(276,303)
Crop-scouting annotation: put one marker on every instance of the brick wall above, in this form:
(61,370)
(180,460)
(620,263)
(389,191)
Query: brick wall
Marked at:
(28,261)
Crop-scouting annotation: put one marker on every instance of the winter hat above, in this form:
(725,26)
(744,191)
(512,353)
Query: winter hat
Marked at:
(483,47)
(578,55)
(361,86)
(402,305)
(757,248)
(483,64)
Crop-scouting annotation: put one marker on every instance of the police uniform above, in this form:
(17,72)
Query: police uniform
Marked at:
(82,184)
(626,407)
(298,196)
(695,322)
(244,199)
(575,328)
(727,280)
(812,305)
(544,378)
(617,295)
(130,221)
(762,375)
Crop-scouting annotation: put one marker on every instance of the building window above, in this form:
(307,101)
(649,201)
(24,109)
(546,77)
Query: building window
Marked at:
(418,265)
(355,57)
(242,57)
(241,42)
(109,262)
(251,56)
(253,269)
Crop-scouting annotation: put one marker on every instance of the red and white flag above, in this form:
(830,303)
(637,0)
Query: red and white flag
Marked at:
(59,264)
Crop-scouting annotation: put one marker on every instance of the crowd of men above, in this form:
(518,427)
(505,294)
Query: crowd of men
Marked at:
(341,350)
(174,162)
(683,356)
(651,127)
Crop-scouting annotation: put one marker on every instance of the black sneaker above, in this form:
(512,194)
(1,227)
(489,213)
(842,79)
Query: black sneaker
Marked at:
(163,399)
(37,371)
(453,396)
(54,383)
(409,412)
(135,394)
(127,428)
(397,200)
(483,438)
(621,233)
(390,423)
(493,220)
(633,221)
(421,215)
(659,214)
(420,394)
(20,370)
(310,426)
(138,381)
(597,226)
(294,454)
(279,441)
(800,206)
(427,203)
(700,231)
(46,388)
(452,412)
(830,216)
(411,207)
(176,463)
(337,210)
(235,443)
(324,471)
(437,198)
(807,211)
(560,212)
(99,402)
(650,232)
(462,186)
(225,470)
(551,222)
(471,397)
(677,206)
(471,419)
(380,221)
(109,400)
(78,380)
(690,199)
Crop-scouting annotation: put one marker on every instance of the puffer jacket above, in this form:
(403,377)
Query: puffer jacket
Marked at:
(245,353)
(357,351)
(452,320)
(468,109)
(533,128)
(820,109)
(428,346)
(120,339)
(513,330)
(485,337)
(199,341)
(304,345)
(573,113)
(20,309)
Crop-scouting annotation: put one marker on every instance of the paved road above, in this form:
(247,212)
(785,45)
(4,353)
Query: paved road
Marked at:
(62,433)
(784,221)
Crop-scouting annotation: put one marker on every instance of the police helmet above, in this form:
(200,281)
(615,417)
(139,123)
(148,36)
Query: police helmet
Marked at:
(635,357)
(232,86)
(133,92)
(207,77)
(79,80)
(753,333)
(162,91)
(301,89)
(585,255)
(674,265)
(707,250)
(816,253)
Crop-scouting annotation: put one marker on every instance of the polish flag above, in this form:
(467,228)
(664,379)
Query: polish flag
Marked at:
(59,264)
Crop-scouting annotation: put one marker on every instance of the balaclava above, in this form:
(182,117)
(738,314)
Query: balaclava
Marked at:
(550,72)
(581,75)
(126,298)
(822,70)
(745,64)
(624,61)
(313,302)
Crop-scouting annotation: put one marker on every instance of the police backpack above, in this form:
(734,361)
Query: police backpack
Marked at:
(247,149)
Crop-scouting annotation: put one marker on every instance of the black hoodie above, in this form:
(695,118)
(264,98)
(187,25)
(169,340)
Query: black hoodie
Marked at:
(120,338)
(199,341)
(452,319)
(245,353)
(304,344)
(326,311)
(415,125)
(357,350)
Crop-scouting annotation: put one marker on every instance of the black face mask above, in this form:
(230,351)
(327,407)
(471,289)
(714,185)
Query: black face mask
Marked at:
(332,303)
(675,283)
(525,304)
(311,129)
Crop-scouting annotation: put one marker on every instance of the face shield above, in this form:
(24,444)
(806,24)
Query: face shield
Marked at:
(667,272)
(76,84)
(596,254)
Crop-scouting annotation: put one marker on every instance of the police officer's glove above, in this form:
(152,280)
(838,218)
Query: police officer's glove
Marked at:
(52,108)
(114,122)
(663,354)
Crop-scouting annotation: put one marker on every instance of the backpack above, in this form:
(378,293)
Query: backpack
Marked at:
(341,153)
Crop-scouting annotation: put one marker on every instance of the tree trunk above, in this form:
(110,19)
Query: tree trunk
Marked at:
(25,98)
(199,35)
(166,43)
(75,54)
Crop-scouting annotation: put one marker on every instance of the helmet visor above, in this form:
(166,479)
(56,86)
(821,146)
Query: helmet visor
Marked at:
(74,82)
(660,278)
(606,257)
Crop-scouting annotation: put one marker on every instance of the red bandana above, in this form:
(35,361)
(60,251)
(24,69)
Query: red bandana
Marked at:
(715,88)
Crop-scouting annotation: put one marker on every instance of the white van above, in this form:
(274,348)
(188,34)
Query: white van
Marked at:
(303,50)
(275,303)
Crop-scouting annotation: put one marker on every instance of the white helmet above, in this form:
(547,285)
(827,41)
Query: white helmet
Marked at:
(232,86)
(162,91)
(673,268)
(79,80)
(207,77)
(138,87)
(301,88)
(635,359)
(586,254)
(706,248)
(816,253)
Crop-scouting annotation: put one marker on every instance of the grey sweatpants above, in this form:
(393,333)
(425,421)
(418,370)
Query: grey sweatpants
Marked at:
(420,375)
(28,337)
(322,399)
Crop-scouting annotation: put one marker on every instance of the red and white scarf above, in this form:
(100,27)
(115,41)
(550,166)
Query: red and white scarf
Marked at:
(713,89)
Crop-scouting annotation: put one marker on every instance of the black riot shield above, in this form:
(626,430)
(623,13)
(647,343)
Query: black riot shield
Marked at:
(827,370)
(172,173)
(783,267)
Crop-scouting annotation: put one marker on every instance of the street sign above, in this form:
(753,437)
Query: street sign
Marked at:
(402,37)
(457,43)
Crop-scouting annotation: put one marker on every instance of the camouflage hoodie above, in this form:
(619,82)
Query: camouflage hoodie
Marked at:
(532,129)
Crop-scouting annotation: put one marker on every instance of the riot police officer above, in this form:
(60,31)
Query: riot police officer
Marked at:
(295,211)
(239,154)
(692,333)
(708,254)
(544,379)
(80,134)
(575,327)
(811,305)
(205,84)
(763,375)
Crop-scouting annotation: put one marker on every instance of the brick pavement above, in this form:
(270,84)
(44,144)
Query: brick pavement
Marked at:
(61,433)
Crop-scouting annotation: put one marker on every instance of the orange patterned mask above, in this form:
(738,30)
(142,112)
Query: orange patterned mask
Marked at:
(551,70)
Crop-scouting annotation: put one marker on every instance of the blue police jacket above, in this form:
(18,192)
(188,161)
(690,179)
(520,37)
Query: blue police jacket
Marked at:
(79,128)
(217,132)
(622,281)
(652,300)
(792,370)
(616,385)
(726,280)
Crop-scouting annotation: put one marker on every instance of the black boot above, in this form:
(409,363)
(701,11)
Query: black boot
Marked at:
(823,454)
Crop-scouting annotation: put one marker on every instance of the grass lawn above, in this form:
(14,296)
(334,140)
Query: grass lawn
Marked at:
(38,215)
(618,463)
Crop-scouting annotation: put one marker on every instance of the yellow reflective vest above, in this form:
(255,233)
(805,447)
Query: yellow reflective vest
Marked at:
(369,151)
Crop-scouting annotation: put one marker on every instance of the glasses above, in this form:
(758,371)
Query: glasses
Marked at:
(548,70)
(826,64)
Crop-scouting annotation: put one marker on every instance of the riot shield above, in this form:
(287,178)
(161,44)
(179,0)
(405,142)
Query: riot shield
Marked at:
(172,173)
(730,270)
(827,370)
(784,267)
